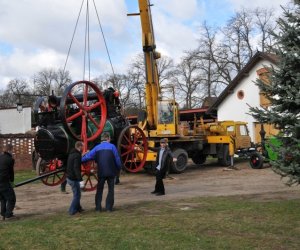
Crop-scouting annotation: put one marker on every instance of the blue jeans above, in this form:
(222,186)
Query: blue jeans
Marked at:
(75,204)
(110,195)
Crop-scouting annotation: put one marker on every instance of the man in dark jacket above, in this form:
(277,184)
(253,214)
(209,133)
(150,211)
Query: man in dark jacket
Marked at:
(109,165)
(7,193)
(164,161)
(74,177)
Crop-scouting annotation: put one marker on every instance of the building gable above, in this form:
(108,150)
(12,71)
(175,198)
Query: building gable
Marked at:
(233,103)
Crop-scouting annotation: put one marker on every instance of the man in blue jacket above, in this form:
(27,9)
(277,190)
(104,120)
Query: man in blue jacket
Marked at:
(109,165)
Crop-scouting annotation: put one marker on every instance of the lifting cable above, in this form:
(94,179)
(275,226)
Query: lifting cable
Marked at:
(107,51)
(87,41)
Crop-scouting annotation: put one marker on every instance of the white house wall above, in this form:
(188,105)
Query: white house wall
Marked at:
(14,122)
(233,108)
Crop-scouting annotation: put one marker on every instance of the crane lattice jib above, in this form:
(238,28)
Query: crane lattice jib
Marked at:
(150,56)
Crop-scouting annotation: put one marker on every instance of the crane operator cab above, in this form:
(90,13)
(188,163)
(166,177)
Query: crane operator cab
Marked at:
(167,117)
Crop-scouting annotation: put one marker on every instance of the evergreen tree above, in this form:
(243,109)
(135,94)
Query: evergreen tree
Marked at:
(284,95)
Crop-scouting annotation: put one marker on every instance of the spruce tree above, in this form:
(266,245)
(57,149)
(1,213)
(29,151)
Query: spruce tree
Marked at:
(284,95)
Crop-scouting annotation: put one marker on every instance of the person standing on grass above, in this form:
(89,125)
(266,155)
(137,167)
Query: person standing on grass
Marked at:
(7,193)
(109,166)
(74,178)
(164,161)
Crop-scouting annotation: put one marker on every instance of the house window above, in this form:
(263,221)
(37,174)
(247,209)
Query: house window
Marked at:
(240,94)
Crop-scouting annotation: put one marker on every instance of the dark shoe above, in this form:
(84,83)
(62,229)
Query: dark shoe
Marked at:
(109,210)
(117,182)
(81,210)
(159,194)
(98,210)
(154,192)
(76,214)
(13,217)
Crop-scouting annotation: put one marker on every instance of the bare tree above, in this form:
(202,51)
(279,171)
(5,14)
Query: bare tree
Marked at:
(214,71)
(122,83)
(50,79)
(188,81)
(236,44)
(62,80)
(228,49)
(137,77)
(18,86)
(165,68)
(18,90)
(7,100)
(265,25)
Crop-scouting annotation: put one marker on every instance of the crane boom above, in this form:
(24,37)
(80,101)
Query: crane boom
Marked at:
(161,115)
(150,56)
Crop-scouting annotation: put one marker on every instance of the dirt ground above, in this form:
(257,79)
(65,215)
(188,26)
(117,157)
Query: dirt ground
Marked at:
(211,180)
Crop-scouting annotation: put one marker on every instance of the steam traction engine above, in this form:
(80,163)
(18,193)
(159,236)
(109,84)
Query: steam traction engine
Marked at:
(82,113)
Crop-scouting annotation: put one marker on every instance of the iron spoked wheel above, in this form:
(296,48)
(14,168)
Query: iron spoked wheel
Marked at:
(89,175)
(45,167)
(77,110)
(133,148)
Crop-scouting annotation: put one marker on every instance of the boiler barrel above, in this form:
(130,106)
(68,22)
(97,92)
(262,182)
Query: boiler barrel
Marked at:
(53,142)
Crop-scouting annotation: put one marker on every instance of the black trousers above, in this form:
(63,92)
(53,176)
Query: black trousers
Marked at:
(8,201)
(159,185)
(110,195)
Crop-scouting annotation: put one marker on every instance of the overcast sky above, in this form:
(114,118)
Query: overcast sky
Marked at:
(36,34)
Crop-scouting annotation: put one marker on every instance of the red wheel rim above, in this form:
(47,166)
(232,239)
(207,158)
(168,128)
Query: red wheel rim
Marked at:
(46,167)
(133,147)
(79,108)
(89,176)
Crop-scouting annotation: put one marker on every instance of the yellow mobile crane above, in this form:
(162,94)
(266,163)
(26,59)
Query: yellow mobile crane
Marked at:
(161,120)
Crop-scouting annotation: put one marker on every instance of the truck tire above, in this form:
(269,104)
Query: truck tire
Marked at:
(199,158)
(182,158)
(225,160)
(256,160)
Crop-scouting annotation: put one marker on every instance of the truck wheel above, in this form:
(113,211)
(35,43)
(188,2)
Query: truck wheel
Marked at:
(182,158)
(199,157)
(256,160)
(225,160)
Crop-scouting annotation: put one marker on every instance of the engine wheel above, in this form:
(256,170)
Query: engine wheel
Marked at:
(199,157)
(45,167)
(182,158)
(256,160)
(133,148)
(89,176)
(83,115)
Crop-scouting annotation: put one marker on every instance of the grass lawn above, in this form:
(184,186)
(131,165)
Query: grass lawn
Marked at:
(22,175)
(200,223)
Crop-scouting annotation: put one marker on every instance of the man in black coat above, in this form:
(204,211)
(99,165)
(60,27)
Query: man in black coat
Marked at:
(7,193)
(164,161)
(74,178)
